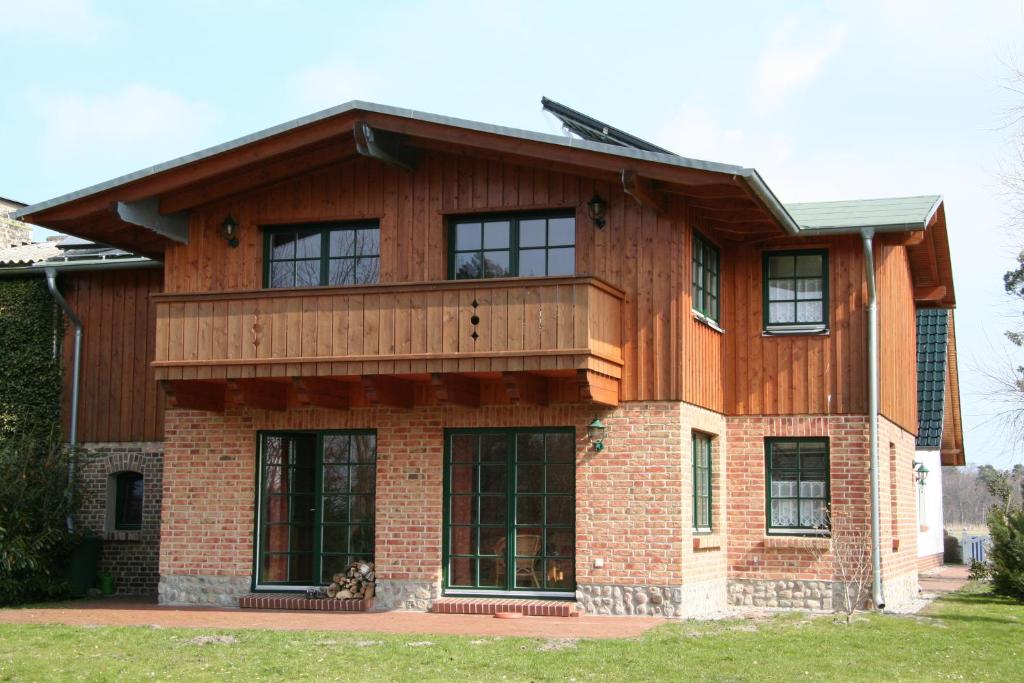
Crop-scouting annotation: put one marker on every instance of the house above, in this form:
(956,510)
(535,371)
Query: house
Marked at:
(500,363)
(939,434)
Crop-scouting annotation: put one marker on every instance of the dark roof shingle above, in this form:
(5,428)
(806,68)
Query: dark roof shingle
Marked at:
(932,343)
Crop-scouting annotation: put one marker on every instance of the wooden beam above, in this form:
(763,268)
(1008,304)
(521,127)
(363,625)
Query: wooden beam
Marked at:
(906,239)
(526,388)
(259,393)
(710,191)
(726,215)
(260,173)
(929,294)
(323,392)
(730,204)
(456,389)
(384,146)
(382,390)
(597,388)
(194,395)
(642,190)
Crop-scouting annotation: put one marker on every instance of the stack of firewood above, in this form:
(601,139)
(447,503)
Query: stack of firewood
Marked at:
(355,582)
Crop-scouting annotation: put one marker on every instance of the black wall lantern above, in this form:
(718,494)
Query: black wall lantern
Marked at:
(597,207)
(229,229)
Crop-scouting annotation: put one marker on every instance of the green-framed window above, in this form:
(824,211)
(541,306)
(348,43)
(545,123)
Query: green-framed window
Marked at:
(796,290)
(509,516)
(128,500)
(316,506)
(797,485)
(701,451)
(318,254)
(705,277)
(517,245)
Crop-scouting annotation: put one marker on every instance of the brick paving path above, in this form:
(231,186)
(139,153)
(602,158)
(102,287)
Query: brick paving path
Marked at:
(121,612)
(944,579)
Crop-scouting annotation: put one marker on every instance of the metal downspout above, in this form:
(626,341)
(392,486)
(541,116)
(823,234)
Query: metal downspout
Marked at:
(867,236)
(76,367)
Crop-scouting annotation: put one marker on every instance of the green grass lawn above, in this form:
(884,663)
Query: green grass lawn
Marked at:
(971,635)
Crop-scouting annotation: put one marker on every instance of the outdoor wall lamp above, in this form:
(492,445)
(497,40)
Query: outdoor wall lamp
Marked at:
(596,208)
(922,473)
(595,432)
(229,230)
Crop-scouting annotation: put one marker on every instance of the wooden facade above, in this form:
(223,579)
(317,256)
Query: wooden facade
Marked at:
(119,397)
(643,252)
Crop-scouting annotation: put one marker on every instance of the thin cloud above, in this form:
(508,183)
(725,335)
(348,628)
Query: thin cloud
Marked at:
(334,82)
(130,127)
(792,60)
(77,21)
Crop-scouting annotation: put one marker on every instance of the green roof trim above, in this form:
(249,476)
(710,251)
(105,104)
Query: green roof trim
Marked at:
(893,212)
(932,344)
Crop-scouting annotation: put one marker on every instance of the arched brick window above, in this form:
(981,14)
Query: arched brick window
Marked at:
(127,499)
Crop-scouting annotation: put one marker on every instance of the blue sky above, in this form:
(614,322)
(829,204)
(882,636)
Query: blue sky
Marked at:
(827,100)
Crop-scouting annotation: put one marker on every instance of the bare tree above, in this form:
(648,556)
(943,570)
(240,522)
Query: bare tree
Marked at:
(851,562)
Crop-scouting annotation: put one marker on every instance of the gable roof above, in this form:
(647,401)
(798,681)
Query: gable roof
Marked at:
(932,336)
(909,213)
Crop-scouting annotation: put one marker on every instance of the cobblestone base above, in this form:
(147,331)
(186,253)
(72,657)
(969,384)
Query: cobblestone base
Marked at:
(404,595)
(900,592)
(655,601)
(203,590)
(782,593)
(706,597)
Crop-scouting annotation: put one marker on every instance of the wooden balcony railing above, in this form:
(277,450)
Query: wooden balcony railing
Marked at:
(480,326)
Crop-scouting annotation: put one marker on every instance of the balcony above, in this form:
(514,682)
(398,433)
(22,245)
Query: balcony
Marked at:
(536,340)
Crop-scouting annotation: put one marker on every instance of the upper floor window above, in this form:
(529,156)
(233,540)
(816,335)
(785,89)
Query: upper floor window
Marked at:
(528,245)
(128,489)
(796,291)
(701,451)
(798,492)
(322,254)
(705,278)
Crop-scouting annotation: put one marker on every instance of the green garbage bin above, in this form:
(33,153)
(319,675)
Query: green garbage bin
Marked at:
(106,583)
(83,565)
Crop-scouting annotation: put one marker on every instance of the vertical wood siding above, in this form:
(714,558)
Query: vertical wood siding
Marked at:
(119,398)
(897,338)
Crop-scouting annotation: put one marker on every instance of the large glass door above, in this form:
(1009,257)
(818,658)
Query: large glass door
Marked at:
(509,511)
(315,507)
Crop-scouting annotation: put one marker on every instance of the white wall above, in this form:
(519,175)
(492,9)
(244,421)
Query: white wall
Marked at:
(930,542)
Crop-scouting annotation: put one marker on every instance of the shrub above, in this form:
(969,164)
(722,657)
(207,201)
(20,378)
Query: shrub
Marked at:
(1007,552)
(979,571)
(34,504)
(952,553)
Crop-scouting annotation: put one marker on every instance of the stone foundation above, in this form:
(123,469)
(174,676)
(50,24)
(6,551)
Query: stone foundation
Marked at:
(405,595)
(655,601)
(705,597)
(900,591)
(203,590)
(782,593)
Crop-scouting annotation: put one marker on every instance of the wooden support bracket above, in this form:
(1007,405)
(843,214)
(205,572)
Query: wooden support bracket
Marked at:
(382,390)
(642,190)
(194,395)
(456,390)
(384,146)
(526,388)
(598,388)
(929,294)
(259,393)
(323,392)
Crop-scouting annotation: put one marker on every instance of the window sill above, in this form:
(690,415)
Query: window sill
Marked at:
(798,542)
(124,536)
(703,540)
(701,318)
(789,330)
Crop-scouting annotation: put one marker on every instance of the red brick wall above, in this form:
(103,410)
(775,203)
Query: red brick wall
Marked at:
(753,556)
(628,508)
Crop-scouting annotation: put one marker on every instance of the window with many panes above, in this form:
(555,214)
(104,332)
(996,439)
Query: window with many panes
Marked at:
(128,501)
(701,448)
(312,255)
(528,245)
(705,278)
(798,492)
(796,290)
